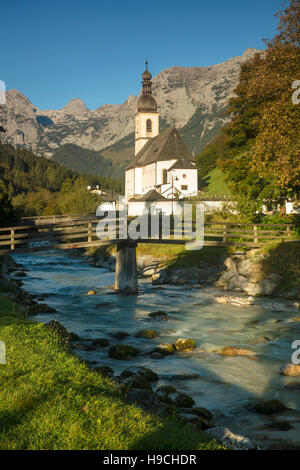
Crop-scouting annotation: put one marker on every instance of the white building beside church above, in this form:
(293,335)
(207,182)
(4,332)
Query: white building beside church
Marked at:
(163,169)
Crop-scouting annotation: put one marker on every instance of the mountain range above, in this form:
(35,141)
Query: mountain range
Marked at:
(102,140)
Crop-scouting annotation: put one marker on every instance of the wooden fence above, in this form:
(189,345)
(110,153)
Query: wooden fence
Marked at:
(70,233)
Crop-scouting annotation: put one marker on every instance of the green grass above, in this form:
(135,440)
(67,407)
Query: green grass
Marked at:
(216,183)
(50,399)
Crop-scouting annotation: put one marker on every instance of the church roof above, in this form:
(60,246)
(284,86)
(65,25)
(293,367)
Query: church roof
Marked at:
(182,165)
(165,146)
(150,196)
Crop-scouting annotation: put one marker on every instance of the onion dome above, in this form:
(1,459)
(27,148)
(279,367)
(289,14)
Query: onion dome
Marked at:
(146,102)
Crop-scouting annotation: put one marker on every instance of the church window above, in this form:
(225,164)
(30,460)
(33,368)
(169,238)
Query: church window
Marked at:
(164,176)
(149,125)
(184,187)
(184,175)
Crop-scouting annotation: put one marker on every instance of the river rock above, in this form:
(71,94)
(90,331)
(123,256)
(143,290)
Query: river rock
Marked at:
(269,407)
(231,351)
(199,411)
(198,421)
(40,308)
(291,370)
(160,278)
(148,374)
(147,334)
(91,292)
(123,351)
(231,440)
(159,315)
(183,344)
(144,398)
(58,329)
(224,280)
(120,334)
(138,382)
(230,265)
(100,343)
(169,394)
(164,349)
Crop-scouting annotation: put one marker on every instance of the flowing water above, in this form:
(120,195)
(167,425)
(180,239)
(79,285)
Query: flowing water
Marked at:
(226,384)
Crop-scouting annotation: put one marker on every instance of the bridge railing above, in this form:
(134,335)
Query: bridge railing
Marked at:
(81,233)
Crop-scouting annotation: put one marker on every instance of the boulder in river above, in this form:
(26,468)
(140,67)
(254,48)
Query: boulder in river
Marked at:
(123,351)
(147,334)
(269,407)
(91,292)
(164,349)
(231,440)
(120,334)
(183,344)
(198,421)
(159,315)
(58,329)
(291,370)
(232,351)
(148,374)
(137,381)
(169,394)
(100,342)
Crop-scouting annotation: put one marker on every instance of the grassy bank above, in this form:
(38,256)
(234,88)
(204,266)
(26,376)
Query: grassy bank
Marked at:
(50,399)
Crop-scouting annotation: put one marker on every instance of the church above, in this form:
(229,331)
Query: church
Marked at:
(163,169)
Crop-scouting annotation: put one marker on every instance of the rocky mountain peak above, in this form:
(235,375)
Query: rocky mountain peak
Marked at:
(76,106)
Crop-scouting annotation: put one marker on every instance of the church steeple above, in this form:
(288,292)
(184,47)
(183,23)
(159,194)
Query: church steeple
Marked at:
(147,118)
(147,102)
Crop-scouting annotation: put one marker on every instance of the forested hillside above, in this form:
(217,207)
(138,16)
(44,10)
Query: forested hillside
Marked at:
(31,185)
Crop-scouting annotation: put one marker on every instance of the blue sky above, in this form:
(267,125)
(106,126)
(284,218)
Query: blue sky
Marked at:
(95,50)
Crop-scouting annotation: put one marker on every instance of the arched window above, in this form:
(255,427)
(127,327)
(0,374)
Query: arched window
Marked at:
(149,125)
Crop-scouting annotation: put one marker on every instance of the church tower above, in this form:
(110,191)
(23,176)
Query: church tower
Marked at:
(147,118)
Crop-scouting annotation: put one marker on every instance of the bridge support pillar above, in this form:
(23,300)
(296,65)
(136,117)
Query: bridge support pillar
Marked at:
(126,270)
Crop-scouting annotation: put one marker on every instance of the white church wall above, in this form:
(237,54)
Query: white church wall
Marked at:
(148,178)
(129,182)
(138,181)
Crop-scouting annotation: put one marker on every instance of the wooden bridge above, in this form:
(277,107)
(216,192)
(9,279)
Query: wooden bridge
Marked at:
(71,232)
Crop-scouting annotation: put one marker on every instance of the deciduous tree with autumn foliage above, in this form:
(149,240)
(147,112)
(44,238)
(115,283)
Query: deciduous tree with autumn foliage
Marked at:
(262,142)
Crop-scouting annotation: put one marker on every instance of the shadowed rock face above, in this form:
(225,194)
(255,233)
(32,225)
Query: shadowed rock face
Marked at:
(192,97)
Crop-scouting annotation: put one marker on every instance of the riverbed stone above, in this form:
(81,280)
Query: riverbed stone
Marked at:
(198,421)
(120,334)
(58,329)
(147,334)
(164,348)
(148,374)
(232,351)
(183,344)
(100,342)
(137,382)
(159,315)
(230,265)
(199,411)
(40,308)
(91,292)
(269,407)
(231,440)
(291,370)
(123,351)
